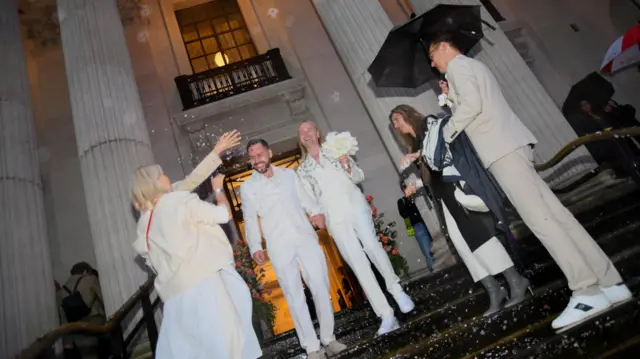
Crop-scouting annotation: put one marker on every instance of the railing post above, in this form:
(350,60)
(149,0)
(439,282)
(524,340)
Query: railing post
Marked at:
(278,64)
(150,321)
(182,83)
(118,347)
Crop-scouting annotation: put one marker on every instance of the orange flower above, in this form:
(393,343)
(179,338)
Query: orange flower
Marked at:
(395,251)
(238,264)
(385,240)
(374,211)
(369,198)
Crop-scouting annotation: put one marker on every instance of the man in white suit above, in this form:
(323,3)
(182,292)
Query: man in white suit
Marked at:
(277,196)
(505,147)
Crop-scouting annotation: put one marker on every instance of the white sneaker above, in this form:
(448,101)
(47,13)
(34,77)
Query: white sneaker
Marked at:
(334,348)
(315,355)
(580,308)
(389,324)
(617,293)
(404,301)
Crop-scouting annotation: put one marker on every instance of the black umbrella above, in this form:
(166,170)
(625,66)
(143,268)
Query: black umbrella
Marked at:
(593,88)
(403,59)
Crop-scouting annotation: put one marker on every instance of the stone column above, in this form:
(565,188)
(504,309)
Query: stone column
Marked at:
(357,29)
(524,93)
(27,294)
(111,136)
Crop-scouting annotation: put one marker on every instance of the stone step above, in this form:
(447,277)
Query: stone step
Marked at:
(438,306)
(450,285)
(609,333)
(628,349)
(459,326)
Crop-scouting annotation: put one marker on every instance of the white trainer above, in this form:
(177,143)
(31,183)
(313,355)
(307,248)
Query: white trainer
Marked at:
(617,293)
(404,301)
(580,308)
(389,324)
(316,355)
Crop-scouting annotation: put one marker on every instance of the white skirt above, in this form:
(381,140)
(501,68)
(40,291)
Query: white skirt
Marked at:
(210,321)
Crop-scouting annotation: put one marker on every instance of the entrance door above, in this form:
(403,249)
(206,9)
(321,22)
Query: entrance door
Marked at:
(283,321)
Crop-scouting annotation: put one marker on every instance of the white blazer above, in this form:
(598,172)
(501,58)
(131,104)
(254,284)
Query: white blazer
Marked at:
(480,109)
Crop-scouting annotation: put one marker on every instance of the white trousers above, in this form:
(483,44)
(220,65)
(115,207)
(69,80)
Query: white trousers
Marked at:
(356,240)
(210,320)
(490,259)
(309,258)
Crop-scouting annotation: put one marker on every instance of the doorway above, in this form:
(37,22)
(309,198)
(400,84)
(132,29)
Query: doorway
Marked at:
(340,284)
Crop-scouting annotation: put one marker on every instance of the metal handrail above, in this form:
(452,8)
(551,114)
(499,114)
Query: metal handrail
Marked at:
(47,340)
(594,137)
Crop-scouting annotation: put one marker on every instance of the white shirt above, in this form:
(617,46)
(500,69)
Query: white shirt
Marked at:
(333,187)
(282,205)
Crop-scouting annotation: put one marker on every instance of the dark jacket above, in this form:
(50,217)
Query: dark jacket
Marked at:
(407,209)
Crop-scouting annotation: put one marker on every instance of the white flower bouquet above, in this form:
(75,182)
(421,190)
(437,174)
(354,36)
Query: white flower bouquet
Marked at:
(340,144)
(443,100)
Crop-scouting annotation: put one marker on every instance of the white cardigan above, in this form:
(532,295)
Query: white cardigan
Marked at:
(186,243)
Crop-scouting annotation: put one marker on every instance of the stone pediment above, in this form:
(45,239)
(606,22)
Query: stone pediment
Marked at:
(41,19)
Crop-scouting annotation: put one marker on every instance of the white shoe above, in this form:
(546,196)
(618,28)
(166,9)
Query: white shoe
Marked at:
(581,307)
(404,301)
(617,293)
(389,324)
(315,355)
(334,348)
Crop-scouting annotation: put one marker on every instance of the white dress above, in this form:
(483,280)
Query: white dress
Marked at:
(197,326)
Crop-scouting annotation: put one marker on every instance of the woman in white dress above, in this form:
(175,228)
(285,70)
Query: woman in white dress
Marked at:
(207,305)
(332,182)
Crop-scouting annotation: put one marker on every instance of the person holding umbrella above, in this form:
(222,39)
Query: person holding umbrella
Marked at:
(505,147)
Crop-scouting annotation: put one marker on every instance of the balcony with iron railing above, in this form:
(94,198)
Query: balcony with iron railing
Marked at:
(232,80)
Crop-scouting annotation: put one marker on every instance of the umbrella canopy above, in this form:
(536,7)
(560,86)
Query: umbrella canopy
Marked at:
(593,88)
(403,59)
(623,52)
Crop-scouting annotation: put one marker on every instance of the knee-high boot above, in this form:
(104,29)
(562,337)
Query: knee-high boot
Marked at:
(517,286)
(496,293)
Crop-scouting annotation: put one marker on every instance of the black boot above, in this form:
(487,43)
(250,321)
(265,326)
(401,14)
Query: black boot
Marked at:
(517,286)
(496,293)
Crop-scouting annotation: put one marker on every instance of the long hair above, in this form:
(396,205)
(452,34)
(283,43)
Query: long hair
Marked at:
(412,117)
(303,150)
(145,187)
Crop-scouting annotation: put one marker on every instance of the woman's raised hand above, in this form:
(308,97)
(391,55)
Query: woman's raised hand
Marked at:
(409,158)
(227,140)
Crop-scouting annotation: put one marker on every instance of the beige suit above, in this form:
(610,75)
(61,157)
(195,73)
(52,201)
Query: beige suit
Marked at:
(503,145)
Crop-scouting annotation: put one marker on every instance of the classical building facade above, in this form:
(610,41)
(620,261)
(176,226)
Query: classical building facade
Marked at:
(92,89)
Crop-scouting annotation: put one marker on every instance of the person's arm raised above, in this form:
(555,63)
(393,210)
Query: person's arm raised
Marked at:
(209,164)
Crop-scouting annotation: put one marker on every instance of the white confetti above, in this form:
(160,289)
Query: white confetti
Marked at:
(145,10)
(273,12)
(143,36)
(289,21)
(59,16)
(335,96)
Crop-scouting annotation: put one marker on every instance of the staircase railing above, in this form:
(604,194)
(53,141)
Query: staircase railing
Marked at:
(113,327)
(119,345)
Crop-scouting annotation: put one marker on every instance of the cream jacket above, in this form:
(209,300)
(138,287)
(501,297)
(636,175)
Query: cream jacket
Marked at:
(186,243)
(481,110)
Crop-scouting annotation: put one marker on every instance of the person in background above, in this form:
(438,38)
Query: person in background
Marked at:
(408,210)
(81,301)
(505,147)
(207,306)
(275,206)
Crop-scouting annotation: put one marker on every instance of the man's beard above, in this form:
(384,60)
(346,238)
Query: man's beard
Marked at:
(267,165)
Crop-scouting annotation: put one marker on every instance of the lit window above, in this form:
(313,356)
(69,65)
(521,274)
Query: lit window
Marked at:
(215,34)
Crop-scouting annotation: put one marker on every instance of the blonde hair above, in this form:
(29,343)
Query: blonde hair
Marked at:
(412,117)
(303,150)
(146,188)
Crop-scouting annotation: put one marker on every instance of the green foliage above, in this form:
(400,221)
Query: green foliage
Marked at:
(262,309)
(387,237)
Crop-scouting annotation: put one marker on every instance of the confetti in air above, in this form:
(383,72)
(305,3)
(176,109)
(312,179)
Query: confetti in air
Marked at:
(145,10)
(143,36)
(335,96)
(289,21)
(273,12)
